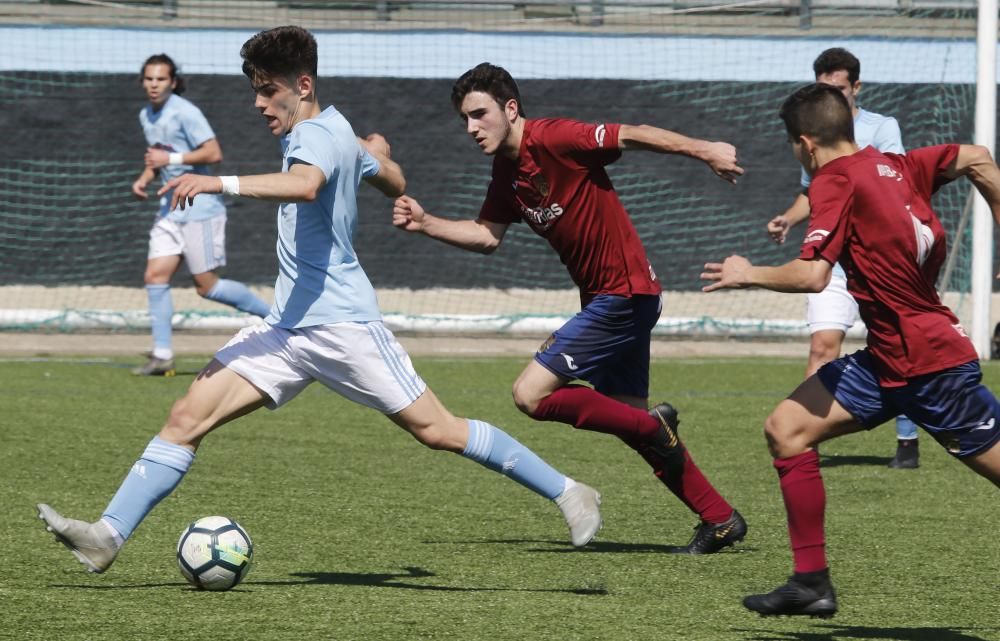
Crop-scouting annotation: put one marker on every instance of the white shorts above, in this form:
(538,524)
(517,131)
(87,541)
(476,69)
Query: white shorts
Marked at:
(832,308)
(202,243)
(362,362)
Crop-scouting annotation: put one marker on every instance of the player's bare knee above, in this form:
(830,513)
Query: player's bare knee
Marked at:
(784,438)
(525,399)
(153,277)
(183,427)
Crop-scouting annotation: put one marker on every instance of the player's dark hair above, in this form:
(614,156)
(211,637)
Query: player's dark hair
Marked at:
(490,79)
(164,59)
(286,52)
(819,111)
(837,59)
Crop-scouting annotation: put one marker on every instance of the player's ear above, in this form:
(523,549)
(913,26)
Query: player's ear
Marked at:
(856,88)
(305,84)
(808,144)
(511,109)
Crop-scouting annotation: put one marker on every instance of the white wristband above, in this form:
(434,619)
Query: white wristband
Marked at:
(175,158)
(230,185)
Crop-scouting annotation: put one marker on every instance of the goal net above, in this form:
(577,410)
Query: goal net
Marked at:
(73,239)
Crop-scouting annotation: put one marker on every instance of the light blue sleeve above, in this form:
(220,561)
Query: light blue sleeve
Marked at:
(888,138)
(196,127)
(311,144)
(369,164)
(805,180)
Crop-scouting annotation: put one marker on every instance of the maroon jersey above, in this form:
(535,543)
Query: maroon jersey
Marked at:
(558,186)
(871,211)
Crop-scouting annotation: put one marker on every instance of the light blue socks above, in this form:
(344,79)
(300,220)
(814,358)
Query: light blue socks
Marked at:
(493,448)
(238,295)
(906,430)
(161,315)
(155,475)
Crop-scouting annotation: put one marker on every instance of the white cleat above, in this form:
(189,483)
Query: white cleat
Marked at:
(580,506)
(91,543)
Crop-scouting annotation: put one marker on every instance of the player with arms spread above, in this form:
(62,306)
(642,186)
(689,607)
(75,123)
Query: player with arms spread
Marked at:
(833,311)
(871,212)
(325,324)
(550,174)
(180,140)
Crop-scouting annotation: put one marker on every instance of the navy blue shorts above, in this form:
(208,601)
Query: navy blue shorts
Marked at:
(606,344)
(952,405)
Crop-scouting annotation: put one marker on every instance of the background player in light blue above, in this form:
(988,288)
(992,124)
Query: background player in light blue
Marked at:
(833,311)
(181,140)
(325,324)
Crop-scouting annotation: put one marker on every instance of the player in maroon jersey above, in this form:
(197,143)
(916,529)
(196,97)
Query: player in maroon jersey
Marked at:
(550,174)
(871,211)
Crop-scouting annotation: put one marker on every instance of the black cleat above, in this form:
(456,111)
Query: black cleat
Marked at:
(907,456)
(709,538)
(795,599)
(666,440)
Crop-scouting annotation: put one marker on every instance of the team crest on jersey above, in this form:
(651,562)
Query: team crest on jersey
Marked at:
(542,185)
(547,344)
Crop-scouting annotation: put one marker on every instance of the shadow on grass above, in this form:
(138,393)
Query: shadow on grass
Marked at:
(836,460)
(600,547)
(377,580)
(399,580)
(848,632)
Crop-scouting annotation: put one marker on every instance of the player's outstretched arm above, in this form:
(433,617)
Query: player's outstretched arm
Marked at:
(302,183)
(207,153)
(975,162)
(797,276)
(719,156)
(779,226)
(481,236)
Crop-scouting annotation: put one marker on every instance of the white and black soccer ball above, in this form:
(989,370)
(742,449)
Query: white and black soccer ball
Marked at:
(214,553)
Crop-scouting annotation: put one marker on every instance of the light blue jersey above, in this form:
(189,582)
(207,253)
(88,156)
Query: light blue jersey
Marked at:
(870,129)
(320,280)
(180,127)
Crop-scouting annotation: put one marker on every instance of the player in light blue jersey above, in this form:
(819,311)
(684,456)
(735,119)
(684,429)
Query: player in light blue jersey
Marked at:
(325,325)
(180,140)
(833,311)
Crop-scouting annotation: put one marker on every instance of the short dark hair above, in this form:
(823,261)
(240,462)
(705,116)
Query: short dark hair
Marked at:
(286,52)
(819,111)
(837,59)
(490,79)
(164,59)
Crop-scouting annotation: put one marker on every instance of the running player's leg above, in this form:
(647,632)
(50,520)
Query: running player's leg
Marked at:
(586,345)
(842,398)
(365,363)
(165,249)
(205,252)
(217,396)
(719,526)
(434,426)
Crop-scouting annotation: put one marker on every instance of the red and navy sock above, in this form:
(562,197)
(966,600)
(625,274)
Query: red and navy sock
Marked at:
(588,409)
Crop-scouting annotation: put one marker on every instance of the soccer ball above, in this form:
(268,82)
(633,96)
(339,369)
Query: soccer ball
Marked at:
(214,553)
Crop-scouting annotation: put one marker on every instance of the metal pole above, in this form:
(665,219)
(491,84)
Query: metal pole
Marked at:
(805,14)
(985,135)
